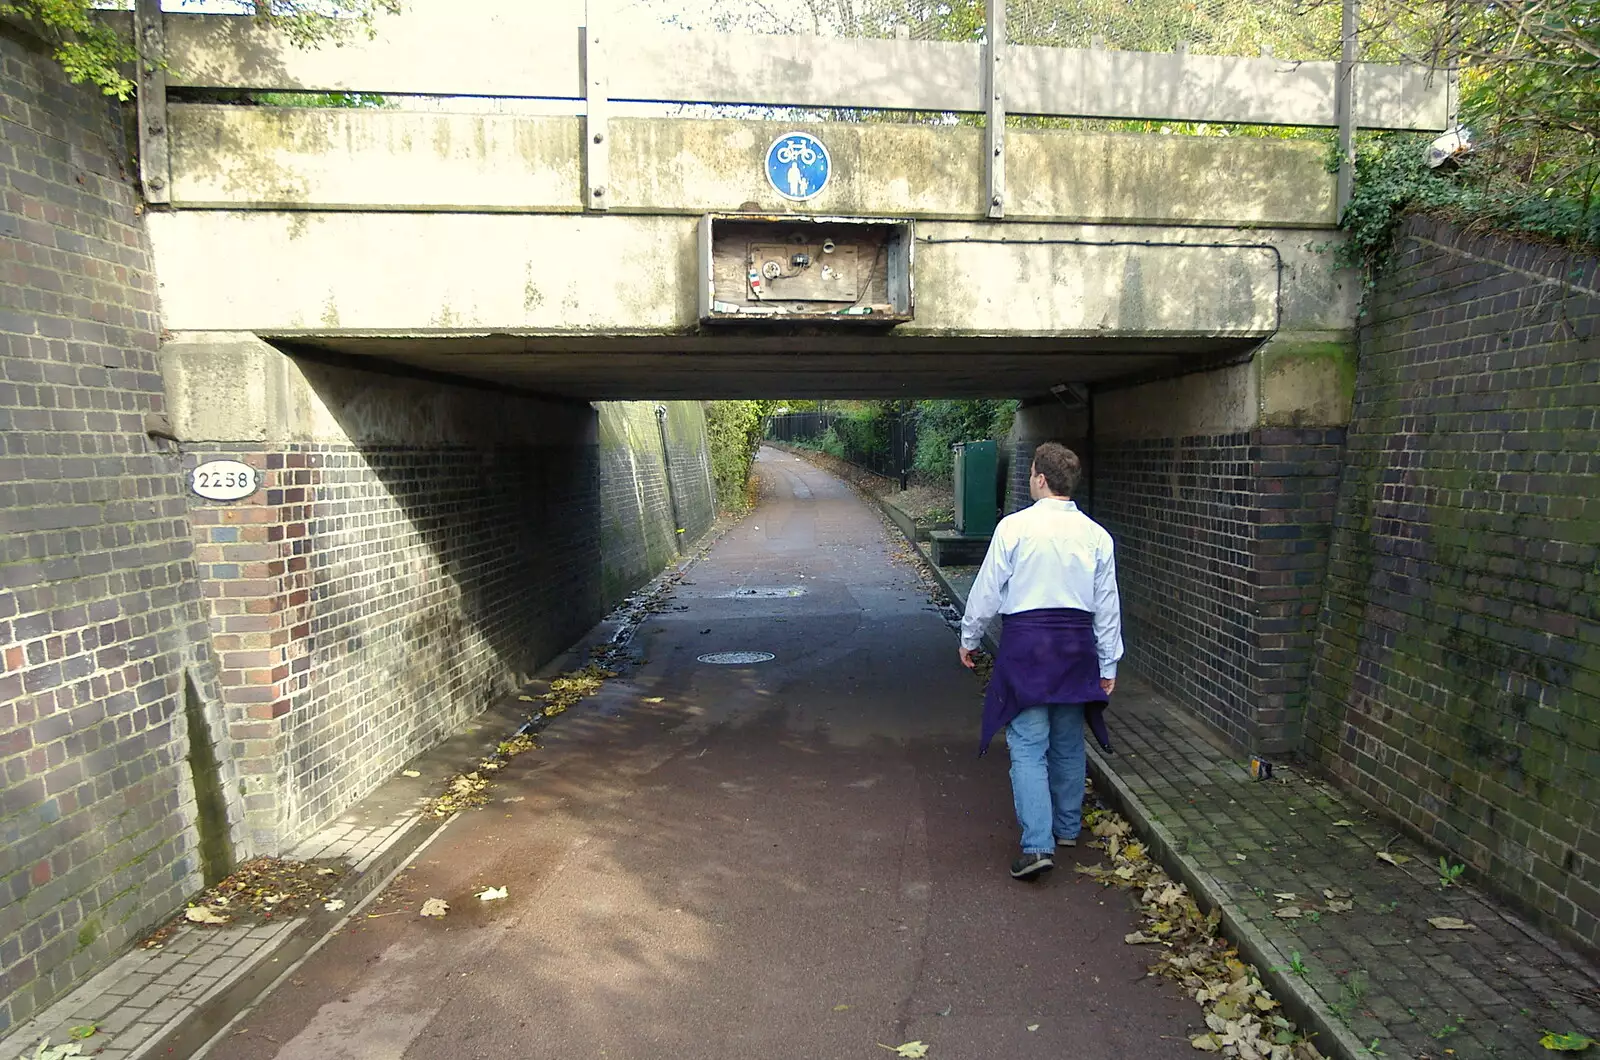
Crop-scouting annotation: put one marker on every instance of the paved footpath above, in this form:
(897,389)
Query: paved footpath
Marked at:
(1376,979)
(798,858)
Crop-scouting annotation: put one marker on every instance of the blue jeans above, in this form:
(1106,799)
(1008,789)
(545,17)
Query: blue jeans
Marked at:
(1046,748)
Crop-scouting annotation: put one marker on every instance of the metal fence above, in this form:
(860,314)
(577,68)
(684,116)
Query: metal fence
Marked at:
(883,445)
(1295,29)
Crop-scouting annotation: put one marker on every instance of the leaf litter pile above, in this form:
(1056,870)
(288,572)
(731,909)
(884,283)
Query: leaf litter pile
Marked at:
(261,891)
(1242,1019)
(470,789)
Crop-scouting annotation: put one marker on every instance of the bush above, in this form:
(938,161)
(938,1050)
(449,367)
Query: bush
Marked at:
(1393,178)
(941,424)
(733,434)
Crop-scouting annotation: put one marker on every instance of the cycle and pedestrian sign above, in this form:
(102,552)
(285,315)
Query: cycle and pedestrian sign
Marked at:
(798,166)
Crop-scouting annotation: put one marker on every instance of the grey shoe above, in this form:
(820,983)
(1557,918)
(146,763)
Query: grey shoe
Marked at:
(1031,866)
(1066,842)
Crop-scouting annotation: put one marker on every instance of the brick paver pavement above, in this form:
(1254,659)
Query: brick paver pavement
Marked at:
(147,993)
(1400,986)
(1376,980)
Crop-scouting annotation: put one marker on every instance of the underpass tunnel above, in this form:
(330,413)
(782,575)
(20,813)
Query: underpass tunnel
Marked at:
(440,515)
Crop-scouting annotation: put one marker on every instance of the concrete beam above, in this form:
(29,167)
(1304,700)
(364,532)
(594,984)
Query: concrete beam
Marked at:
(587,276)
(233,387)
(356,159)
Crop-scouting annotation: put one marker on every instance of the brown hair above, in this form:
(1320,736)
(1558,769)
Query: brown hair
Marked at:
(1060,467)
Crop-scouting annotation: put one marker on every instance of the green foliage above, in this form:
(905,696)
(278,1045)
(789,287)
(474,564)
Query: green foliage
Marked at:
(733,434)
(87,48)
(1530,100)
(862,434)
(1393,178)
(941,424)
(91,50)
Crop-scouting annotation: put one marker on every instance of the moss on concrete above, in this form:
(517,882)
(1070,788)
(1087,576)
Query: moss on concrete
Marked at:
(1307,383)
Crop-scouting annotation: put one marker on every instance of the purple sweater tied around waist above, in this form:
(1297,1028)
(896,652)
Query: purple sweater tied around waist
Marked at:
(1046,657)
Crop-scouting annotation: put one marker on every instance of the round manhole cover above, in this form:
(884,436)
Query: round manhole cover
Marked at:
(737,658)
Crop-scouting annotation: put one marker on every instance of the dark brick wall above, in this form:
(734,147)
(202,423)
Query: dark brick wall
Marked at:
(1457,676)
(1037,422)
(371,599)
(373,595)
(1221,541)
(99,606)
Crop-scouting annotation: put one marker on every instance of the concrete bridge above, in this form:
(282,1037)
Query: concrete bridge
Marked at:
(562,253)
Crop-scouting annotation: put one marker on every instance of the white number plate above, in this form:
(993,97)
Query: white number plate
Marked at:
(224,480)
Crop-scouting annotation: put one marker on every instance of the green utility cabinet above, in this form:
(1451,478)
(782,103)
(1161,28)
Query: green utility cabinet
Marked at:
(977,476)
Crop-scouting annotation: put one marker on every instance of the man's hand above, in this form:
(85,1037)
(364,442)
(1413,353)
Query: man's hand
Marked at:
(1108,685)
(967,660)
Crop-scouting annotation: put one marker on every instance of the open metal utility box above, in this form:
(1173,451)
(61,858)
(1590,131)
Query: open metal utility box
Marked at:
(785,269)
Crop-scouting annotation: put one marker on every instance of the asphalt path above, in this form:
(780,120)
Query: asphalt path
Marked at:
(802,858)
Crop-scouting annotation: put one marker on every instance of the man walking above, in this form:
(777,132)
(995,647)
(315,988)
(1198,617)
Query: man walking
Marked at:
(1051,573)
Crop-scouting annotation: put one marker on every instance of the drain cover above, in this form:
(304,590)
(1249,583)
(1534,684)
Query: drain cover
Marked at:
(737,658)
(773,592)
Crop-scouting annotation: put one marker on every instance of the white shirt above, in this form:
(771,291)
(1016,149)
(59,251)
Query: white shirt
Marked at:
(1049,555)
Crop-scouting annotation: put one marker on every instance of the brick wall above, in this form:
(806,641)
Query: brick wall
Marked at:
(1221,541)
(1037,422)
(99,607)
(368,600)
(1457,676)
(418,545)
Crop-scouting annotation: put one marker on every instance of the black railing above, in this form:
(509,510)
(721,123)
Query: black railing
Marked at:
(883,445)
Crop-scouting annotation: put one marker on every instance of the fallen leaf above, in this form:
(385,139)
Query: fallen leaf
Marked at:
(1238,857)
(199,914)
(334,905)
(492,894)
(1033,1026)
(1344,824)
(909,1049)
(435,907)
(1139,938)
(1206,1043)
(1285,896)
(1340,906)
(1450,923)
(1572,1042)
(54,1052)
(1335,892)
(88,1030)
(1393,859)
(653,699)
(841,1008)
(326,872)
(409,773)
(1288,912)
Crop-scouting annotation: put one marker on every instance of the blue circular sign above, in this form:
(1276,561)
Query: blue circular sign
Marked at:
(798,166)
